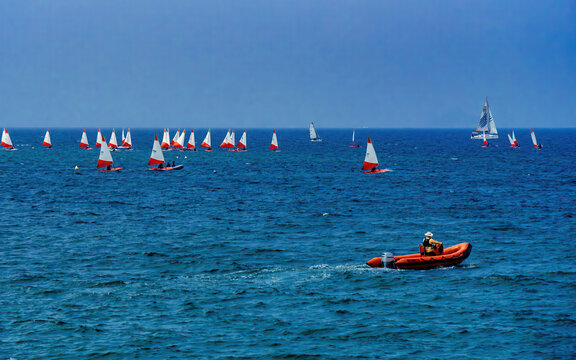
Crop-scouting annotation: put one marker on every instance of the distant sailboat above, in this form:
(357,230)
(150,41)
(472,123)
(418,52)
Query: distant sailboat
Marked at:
(47,142)
(510,139)
(127,141)
(113,144)
(207,143)
(166,139)
(486,124)
(176,137)
(274,143)
(353,143)
(370,164)
(313,134)
(242,143)
(227,142)
(536,144)
(99,139)
(179,143)
(191,142)
(514,140)
(84,141)
(157,158)
(105,158)
(7,141)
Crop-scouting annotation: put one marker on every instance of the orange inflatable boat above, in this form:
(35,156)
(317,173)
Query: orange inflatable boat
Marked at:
(451,256)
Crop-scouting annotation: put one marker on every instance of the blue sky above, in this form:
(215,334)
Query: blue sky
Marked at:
(273,63)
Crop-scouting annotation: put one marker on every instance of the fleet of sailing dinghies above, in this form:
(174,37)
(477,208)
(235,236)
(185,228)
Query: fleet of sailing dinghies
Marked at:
(536,144)
(7,141)
(105,158)
(313,134)
(451,256)
(207,143)
(486,125)
(370,164)
(84,140)
(47,142)
(274,143)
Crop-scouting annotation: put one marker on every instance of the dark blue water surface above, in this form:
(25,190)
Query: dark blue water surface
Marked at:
(265,257)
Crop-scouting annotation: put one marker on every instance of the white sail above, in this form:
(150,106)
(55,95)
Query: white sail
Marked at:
(370,160)
(242,142)
(84,139)
(514,138)
(274,143)
(510,138)
(123,137)
(176,137)
(113,142)
(226,141)
(191,141)
(6,140)
(127,140)
(165,139)
(353,133)
(180,142)
(232,138)
(207,140)
(156,157)
(99,139)
(47,141)
(534,139)
(486,124)
(105,157)
(313,134)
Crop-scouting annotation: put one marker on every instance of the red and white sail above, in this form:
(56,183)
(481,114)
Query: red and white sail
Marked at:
(123,137)
(353,133)
(242,142)
(227,142)
(84,140)
(113,142)
(510,139)
(157,157)
(6,140)
(165,139)
(233,138)
(127,142)
(99,138)
(207,143)
(47,141)
(105,157)
(180,141)
(533,135)
(176,137)
(514,139)
(371,160)
(274,143)
(191,141)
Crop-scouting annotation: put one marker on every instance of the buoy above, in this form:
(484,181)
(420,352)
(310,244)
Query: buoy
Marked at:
(185,157)
(76,167)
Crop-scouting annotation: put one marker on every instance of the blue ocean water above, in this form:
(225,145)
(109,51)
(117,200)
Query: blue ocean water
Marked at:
(262,255)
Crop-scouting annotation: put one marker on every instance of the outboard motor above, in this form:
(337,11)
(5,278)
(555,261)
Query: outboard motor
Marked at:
(388,260)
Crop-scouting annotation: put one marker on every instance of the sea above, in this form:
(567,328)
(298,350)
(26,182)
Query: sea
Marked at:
(262,255)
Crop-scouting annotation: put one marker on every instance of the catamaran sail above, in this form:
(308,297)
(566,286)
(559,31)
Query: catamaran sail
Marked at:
(313,134)
(47,142)
(486,124)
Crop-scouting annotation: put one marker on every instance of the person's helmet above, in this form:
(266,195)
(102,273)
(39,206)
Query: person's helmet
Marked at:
(429,234)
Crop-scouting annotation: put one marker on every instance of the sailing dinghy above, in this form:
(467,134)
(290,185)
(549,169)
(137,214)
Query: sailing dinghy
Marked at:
(274,143)
(242,143)
(127,140)
(113,144)
(157,158)
(176,137)
(514,140)
(486,125)
(99,138)
(84,141)
(313,133)
(191,142)
(536,144)
(47,142)
(510,139)
(371,160)
(7,141)
(165,139)
(354,144)
(227,142)
(105,158)
(207,143)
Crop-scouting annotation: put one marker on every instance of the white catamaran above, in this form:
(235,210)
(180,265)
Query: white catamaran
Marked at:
(486,125)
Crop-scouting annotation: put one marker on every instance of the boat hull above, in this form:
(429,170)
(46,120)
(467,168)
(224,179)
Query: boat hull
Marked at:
(177,167)
(476,136)
(453,255)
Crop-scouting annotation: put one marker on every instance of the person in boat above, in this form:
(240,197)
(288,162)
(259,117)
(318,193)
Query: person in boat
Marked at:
(167,164)
(109,167)
(431,247)
(173,163)
(161,166)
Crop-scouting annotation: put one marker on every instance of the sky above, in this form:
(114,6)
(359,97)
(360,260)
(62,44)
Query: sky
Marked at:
(285,63)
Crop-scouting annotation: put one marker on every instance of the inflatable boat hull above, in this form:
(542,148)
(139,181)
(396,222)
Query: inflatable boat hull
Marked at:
(451,256)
